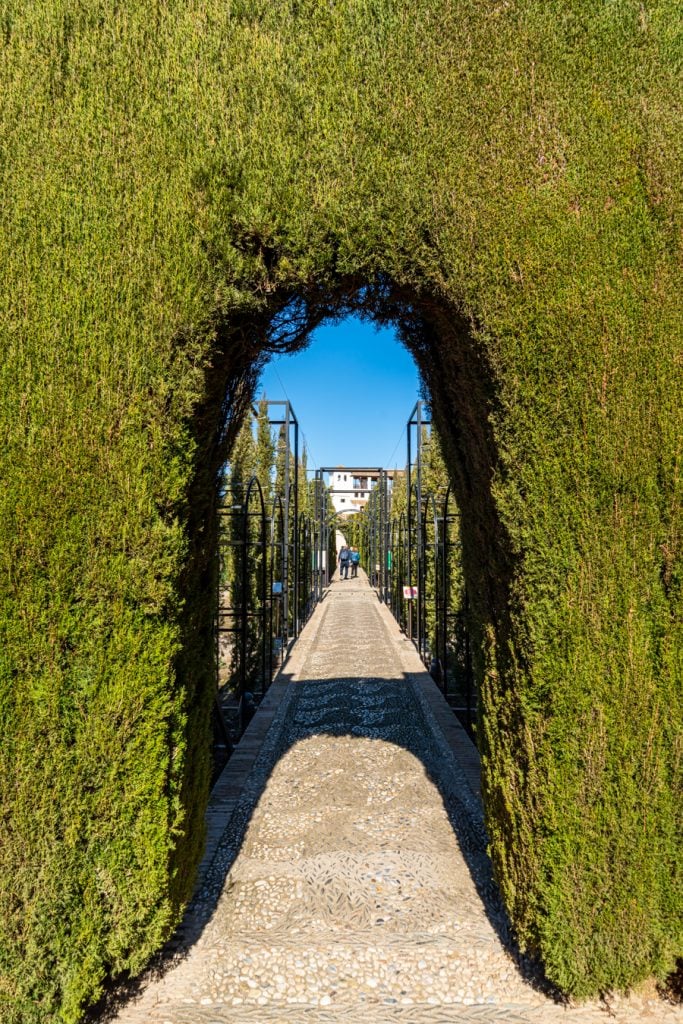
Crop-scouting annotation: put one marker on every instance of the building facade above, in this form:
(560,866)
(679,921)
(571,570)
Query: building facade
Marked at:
(350,490)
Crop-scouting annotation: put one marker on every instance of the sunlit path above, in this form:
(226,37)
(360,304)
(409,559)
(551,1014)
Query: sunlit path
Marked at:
(357,884)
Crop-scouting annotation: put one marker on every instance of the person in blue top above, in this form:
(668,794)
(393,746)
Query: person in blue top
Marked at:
(355,559)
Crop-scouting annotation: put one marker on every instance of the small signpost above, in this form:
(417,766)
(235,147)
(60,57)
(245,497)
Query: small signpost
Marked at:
(410,593)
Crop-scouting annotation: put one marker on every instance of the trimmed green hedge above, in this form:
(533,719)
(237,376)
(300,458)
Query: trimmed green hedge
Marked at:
(502,181)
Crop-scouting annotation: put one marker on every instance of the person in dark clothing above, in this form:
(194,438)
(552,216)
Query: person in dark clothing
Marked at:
(344,555)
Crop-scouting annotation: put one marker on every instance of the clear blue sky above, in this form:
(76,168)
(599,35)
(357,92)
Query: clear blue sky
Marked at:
(352,390)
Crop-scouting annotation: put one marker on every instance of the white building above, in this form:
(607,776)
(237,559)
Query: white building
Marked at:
(350,491)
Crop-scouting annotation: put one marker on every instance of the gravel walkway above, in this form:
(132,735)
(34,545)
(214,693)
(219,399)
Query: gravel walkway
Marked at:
(352,883)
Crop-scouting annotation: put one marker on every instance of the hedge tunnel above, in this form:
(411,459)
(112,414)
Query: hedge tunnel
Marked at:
(187,187)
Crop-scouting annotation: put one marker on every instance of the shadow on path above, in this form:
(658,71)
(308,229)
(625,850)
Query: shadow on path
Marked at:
(389,711)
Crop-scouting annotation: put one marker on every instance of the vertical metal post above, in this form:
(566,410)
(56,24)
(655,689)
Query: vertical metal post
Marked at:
(244,610)
(322,544)
(468,659)
(285,558)
(409,522)
(318,535)
(409,484)
(271,597)
(372,528)
(419,553)
(387,538)
(445,584)
(326,574)
(328,569)
(295,551)
(266,660)
(382,539)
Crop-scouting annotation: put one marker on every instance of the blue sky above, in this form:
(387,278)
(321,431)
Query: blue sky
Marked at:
(352,390)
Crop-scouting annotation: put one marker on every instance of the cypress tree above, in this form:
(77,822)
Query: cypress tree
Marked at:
(188,190)
(265,453)
(304,488)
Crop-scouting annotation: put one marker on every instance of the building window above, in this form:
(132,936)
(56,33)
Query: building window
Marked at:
(343,501)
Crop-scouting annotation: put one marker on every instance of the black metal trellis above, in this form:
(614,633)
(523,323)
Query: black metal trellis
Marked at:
(375,543)
(417,421)
(277,639)
(320,536)
(286,561)
(267,554)
(422,555)
(427,604)
(244,608)
(290,511)
(397,561)
(253,627)
(305,577)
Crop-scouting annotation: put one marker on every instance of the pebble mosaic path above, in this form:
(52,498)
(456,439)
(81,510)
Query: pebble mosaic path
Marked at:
(351,882)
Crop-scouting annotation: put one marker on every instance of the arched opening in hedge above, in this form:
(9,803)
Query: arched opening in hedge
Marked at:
(518,709)
(462,395)
(336,388)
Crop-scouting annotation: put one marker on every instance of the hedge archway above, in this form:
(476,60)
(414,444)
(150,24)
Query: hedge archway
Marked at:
(191,185)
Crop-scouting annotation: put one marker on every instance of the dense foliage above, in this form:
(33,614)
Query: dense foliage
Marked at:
(186,185)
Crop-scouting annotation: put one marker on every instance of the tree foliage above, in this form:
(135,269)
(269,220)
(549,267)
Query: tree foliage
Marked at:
(186,187)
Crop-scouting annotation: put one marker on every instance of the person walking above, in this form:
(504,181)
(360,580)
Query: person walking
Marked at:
(355,559)
(344,555)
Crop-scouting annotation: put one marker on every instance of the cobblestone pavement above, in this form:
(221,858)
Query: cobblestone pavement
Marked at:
(352,882)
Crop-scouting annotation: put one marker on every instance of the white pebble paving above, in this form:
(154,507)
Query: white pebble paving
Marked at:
(351,896)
